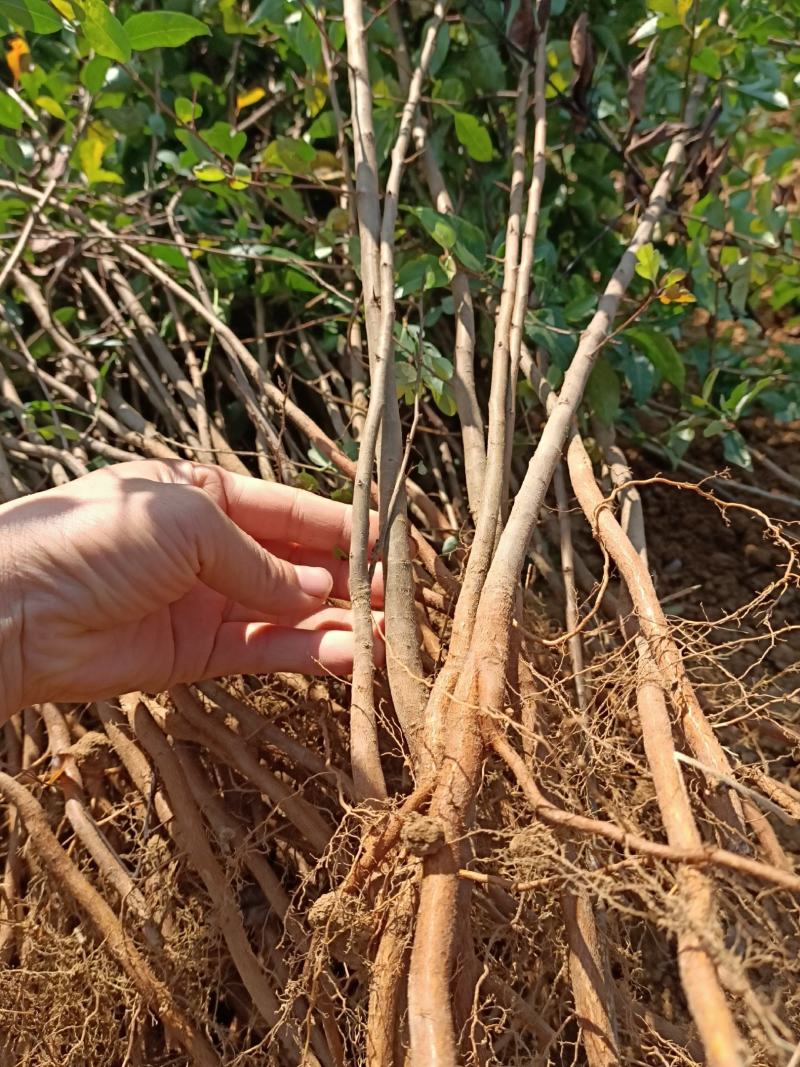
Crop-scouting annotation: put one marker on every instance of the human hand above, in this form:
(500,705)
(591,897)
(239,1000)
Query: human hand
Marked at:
(148,573)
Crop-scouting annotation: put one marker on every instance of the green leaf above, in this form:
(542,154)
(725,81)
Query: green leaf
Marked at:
(474,137)
(306,481)
(648,263)
(707,62)
(285,153)
(232,21)
(344,496)
(168,254)
(186,110)
(208,172)
(323,126)
(441,49)
(319,460)
(405,375)
(661,352)
(679,437)
(51,106)
(104,32)
(735,450)
(579,307)
(163,29)
(441,392)
(93,74)
(267,11)
(303,35)
(11,154)
(419,274)
(775,99)
(436,362)
(708,385)
(640,373)
(744,393)
(603,392)
(716,427)
(11,114)
(456,235)
(36,16)
(224,139)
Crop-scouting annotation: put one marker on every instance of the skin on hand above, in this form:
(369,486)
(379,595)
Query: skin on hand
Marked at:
(149,573)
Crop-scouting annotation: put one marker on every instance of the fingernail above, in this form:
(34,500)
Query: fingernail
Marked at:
(315,581)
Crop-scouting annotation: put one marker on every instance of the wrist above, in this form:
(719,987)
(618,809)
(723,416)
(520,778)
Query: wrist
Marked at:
(11,628)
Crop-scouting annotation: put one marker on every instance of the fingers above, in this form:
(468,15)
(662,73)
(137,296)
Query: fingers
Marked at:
(258,648)
(280,513)
(264,510)
(339,568)
(234,565)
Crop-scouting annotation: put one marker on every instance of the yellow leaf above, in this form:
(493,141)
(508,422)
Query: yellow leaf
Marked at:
(241,176)
(204,243)
(64,7)
(327,167)
(676,294)
(338,220)
(208,172)
(316,99)
(51,106)
(92,148)
(252,96)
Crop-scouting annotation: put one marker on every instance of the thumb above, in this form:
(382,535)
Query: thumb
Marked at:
(231,563)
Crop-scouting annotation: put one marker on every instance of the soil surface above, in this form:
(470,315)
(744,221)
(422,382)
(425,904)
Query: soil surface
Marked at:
(707,565)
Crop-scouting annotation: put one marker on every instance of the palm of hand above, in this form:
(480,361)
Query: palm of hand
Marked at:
(148,574)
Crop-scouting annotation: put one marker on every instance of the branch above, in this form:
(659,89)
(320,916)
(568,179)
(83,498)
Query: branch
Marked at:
(403,654)
(524,515)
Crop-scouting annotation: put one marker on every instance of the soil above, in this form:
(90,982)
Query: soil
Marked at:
(724,562)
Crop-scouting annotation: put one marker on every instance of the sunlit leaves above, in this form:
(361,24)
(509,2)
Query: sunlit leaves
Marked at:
(648,263)
(676,294)
(11,114)
(91,149)
(456,235)
(104,31)
(93,74)
(250,97)
(208,172)
(419,274)
(725,258)
(285,153)
(187,111)
(35,16)
(473,136)
(707,62)
(163,29)
(51,106)
(420,364)
(241,176)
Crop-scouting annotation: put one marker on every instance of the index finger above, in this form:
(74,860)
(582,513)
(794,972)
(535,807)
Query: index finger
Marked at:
(271,512)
